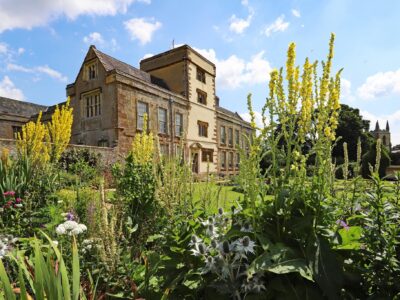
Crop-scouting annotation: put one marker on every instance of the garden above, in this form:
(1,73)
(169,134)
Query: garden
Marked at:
(285,228)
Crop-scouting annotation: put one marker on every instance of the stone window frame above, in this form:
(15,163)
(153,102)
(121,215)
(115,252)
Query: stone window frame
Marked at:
(92,107)
(178,150)
(178,127)
(201,97)
(103,142)
(230,160)
(16,129)
(237,137)
(230,136)
(222,135)
(160,108)
(223,160)
(200,74)
(91,70)
(164,149)
(139,125)
(202,128)
(207,155)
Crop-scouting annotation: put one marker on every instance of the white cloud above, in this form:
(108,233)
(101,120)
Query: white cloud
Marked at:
(18,68)
(52,73)
(114,45)
(278,25)
(27,14)
(380,84)
(94,38)
(8,89)
(233,72)
(20,50)
(40,69)
(142,29)
(238,25)
(147,55)
(346,93)
(296,13)
(245,2)
(3,48)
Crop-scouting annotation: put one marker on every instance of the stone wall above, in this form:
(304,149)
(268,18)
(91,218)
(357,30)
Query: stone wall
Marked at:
(108,155)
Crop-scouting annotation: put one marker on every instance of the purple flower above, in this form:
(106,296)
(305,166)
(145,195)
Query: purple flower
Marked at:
(343,224)
(18,200)
(70,216)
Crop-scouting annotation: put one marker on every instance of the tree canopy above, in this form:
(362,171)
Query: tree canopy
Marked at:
(351,127)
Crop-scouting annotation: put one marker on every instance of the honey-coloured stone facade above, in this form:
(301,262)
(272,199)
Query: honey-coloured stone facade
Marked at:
(175,89)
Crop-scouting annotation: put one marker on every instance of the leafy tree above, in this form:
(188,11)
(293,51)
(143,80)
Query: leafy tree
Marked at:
(369,159)
(351,127)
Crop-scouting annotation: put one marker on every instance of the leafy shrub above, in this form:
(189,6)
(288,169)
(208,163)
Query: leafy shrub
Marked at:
(72,156)
(45,278)
(369,159)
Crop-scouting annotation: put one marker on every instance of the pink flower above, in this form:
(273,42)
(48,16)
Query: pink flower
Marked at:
(9,193)
(18,200)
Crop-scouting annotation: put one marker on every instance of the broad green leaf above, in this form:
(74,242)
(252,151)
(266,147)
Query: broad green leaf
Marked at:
(280,259)
(350,238)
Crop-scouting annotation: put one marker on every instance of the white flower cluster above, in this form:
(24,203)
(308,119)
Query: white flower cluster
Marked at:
(89,244)
(227,259)
(6,242)
(71,228)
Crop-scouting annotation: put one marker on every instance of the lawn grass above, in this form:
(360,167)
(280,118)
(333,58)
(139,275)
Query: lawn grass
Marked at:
(211,196)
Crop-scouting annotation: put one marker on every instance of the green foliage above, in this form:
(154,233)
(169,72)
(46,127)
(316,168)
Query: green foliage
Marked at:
(81,166)
(351,127)
(295,231)
(45,274)
(72,156)
(136,190)
(15,175)
(369,159)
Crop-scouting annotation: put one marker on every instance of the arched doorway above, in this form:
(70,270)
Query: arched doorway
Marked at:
(195,150)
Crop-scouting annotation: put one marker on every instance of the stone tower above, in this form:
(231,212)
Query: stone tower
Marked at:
(383,134)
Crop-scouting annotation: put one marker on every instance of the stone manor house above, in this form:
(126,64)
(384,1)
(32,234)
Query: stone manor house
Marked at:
(176,89)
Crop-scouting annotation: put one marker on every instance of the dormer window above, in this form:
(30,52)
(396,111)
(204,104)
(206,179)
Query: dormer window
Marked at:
(91,71)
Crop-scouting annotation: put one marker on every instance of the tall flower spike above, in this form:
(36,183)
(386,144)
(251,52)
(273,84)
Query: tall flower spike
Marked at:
(251,111)
(346,161)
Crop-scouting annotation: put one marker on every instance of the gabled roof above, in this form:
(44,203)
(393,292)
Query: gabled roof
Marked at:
(230,113)
(110,64)
(48,112)
(19,108)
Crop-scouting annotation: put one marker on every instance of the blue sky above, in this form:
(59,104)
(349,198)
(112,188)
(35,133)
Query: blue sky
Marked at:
(43,43)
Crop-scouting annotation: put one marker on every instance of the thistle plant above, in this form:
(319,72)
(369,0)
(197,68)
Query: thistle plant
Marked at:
(6,244)
(226,258)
